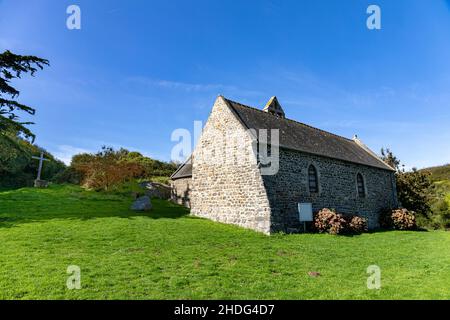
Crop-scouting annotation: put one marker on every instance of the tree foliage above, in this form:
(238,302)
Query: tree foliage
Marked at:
(105,169)
(390,159)
(13,66)
(414,188)
(17,168)
(440,206)
(110,168)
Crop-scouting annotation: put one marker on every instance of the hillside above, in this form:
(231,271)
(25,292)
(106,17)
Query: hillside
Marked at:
(439,173)
(440,203)
(17,168)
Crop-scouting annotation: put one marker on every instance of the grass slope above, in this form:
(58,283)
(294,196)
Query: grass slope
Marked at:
(441,177)
(168,254)
(442,189)
(439,173)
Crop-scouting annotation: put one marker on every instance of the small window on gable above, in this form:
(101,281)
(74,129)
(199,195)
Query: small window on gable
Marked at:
(360,185)
(313,181)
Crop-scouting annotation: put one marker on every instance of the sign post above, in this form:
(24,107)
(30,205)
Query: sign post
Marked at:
(305,213)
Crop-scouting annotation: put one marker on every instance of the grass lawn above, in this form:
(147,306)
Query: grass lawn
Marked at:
(166,254)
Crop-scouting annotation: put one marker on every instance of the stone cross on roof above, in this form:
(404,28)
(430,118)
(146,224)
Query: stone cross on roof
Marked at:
(274,107)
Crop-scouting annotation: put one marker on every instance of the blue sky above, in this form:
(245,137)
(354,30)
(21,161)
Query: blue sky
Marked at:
(137,70)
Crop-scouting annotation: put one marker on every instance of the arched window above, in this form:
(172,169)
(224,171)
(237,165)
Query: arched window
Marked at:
(360,185)
(313,181)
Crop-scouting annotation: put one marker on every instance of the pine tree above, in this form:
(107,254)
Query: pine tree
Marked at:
(13,66)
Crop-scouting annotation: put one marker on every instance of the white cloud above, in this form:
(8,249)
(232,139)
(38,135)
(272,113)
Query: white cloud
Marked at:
(189,87)
(66,152)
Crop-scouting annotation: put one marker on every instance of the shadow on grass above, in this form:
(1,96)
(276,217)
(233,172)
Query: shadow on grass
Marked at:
(31,205)
(382,230)
(346,234)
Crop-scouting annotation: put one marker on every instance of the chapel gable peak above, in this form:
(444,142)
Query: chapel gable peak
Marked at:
(274,107)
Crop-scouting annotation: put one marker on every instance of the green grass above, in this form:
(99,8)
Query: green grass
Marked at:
(167,254)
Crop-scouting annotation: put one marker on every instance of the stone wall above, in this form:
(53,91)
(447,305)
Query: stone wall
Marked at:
(181,191)
(337,189)
(226,182)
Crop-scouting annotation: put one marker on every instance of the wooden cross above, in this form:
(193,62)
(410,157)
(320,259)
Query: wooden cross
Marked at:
(41,161)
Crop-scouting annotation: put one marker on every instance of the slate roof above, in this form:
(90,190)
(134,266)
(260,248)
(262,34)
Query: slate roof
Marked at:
(301,137)
(183,171)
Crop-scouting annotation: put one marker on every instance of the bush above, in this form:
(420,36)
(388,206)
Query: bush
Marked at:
(330,222)
(399,219)
(106,169)
(357,224)
(132,187)
(403,219)
(69,175)
(385,219)
(440,218)
(17,167)
(110,169)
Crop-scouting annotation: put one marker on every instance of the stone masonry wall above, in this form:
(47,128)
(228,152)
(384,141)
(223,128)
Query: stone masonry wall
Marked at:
(181,191)
(337,189)
(226,184)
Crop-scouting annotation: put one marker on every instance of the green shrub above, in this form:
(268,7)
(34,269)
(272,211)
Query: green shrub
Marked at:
(132,187)
(385,219)
(159,179)
(440,218)
(69,175)
(18,168)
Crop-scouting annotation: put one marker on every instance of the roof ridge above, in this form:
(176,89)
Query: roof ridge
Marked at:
(369,151)
(292,120)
